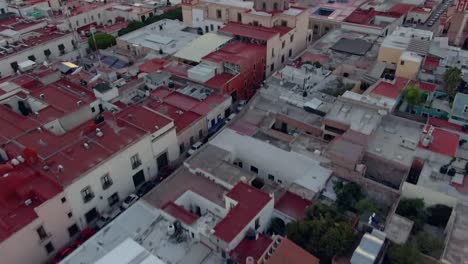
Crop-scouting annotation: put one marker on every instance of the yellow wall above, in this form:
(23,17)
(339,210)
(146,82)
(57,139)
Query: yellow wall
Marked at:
(390,55)
(409,70)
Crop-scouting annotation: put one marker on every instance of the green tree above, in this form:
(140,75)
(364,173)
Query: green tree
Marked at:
(405,254)
(429,244)
(452,78)
(414,95)
(337,240)
(347,195)
(413,209)
(103,41)
(365,205)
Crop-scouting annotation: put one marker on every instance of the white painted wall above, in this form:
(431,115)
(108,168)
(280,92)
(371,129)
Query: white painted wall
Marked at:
(217,113)
(38,52)
(25,247)
(189,200)
(120,170)
(206,25)
(107,95)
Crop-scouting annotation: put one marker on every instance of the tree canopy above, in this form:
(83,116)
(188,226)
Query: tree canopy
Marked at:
(347,194)
(452,79)
(405,254)
(413,209)
(414,95)
(103,41)
(323,233)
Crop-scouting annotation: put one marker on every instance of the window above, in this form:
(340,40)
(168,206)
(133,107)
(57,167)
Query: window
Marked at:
(282,59)
(255,23)
(465,109)
(49,248)
(283,44)
(135,160)
(280,181)
(92,18)
(254,169)
(219,27)
(192,140)
(271,177)
(84,20)
(239,17)
(263,5)
(200,134)
(219,15)
(32,58)
(106,181)
(272,67)
(113,199)
(211,27)
(73,230)
(87,194)
(182,148)
(275,6)
(291,38)
(257,223)
(272,53)
(207,29)
(327,29)
(64,199)
(41,233)
(284,23)
(77,23)
(61,47)
(70,214)
(240,164)
(99,15)
(290,52)
(402,62)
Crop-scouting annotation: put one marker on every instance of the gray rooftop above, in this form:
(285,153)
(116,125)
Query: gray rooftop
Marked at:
(398,229)
(456,249)
(352,46)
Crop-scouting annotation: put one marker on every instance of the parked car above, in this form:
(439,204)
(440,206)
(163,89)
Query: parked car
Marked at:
(194,148)
(164,173)
(230,117)
(129,200)
(241,105)
(63,253)
(84,235)
(105,218)
(145,188)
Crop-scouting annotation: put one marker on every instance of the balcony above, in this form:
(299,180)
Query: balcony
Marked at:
(88,197)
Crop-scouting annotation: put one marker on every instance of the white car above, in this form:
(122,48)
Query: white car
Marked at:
(129,200)
(194,148)
(241,105)
(105,218)
(230,117)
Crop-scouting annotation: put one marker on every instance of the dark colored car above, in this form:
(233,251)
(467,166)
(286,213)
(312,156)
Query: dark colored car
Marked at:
(145,188)
(164,173)
(84,235)
(63,253)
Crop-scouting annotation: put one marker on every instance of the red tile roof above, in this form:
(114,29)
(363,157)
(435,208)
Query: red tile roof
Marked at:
(443,142)
(292,205)
(390,90)
(161,92)
(445,124)
(431,62)
(144,118)
(401,9)
(251,248)
(181,101)
(179,213)
(17,23)
(250,201)
(425,86)
(220,80)
(153,65)
(236,52)
(182,119)
(290,253)
(255,32)
(21,184)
